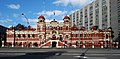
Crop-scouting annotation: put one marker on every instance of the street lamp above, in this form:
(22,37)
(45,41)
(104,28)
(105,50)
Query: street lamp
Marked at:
(28,25)
(14,36)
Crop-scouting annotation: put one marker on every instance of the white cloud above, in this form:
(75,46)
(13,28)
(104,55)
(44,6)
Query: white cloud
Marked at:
(51,13)
(65,2)
(5,21)
(73,2)
(15,15)
(30,20)
(14,6)
(73,11)
(33,20)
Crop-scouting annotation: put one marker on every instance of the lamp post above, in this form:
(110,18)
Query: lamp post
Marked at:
(14,36)
(27,26)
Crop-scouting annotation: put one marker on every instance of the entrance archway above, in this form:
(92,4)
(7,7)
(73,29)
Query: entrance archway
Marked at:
(54,44)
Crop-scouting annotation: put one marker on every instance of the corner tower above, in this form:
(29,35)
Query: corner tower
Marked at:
(41,24)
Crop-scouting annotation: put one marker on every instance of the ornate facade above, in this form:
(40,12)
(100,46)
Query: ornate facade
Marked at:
(59,35)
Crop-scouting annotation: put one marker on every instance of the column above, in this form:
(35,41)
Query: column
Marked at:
(83,45)
(3,44)
(32,45)
(116,44)
(101,44)
(22,44)
(13,44)
(93,44)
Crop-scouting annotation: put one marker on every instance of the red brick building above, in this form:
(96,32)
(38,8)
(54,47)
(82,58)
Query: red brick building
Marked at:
(59,35)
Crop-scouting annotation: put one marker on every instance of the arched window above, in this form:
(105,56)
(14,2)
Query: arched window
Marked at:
(61,38)
(76,35)
(67,36)
(60,28)
(28,35)
(24,36)
(40,36)
(19,36)
(40,20)
(81,35)
(54,32)
(33,35)
(66,27)
(106,36)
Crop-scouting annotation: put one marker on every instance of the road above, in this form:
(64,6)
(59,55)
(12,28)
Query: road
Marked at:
(18,53)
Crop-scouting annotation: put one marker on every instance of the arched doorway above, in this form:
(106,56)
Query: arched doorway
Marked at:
(35,44)
(54,44)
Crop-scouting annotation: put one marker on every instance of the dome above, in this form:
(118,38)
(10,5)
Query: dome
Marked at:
(66,17)
(41,17)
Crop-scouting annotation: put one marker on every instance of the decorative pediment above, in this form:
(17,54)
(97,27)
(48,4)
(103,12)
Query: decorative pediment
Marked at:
(75,27)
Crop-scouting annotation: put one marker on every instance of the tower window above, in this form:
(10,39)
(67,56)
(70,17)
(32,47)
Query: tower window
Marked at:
(60,28)
(40,20)
(66,36)
(66,27)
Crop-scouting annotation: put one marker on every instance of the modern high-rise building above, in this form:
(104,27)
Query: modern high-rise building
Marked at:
(101,13)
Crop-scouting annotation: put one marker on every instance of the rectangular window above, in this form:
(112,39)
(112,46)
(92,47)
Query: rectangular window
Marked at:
(72,35)
(19,36)
(66,27)
(81,35)
(28,35)
(84,35)
(33,35)
(60,28)
(76,35)
(24,36)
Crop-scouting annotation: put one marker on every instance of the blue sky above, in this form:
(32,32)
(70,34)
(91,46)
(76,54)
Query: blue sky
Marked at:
(11,10)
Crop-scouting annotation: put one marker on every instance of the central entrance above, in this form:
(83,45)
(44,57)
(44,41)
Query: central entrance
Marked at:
(54,44)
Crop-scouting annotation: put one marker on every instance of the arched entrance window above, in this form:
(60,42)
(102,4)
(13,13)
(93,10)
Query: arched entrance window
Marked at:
(54,44)
(35,44)
(61,38)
